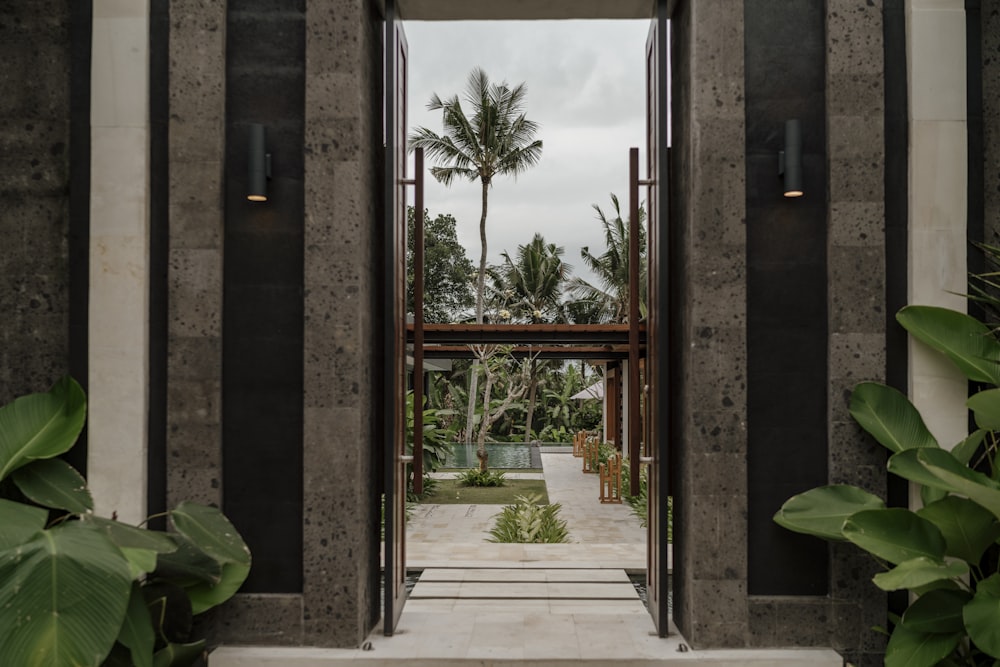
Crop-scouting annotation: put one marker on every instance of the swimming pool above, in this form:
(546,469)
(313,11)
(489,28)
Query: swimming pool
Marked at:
(463,455)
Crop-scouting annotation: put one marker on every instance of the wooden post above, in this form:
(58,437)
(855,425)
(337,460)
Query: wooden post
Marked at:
(611,480)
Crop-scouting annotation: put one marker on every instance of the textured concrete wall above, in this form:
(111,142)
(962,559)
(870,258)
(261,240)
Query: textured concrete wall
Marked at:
(710,203)
(339,602)
(343,157)
(194,333)
(991,116)
(34,195)
(712,606)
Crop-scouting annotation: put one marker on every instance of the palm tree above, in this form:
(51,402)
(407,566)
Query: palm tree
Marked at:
(496,140)
(534,281)
(609,302)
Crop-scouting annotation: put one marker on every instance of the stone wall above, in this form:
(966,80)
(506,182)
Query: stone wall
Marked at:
(343,189)
(712,604)
(194,325)
(35,216)
(339,599)
(990,30)
(709,203)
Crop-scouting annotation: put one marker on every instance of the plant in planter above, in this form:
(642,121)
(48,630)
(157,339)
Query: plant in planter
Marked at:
(527,522)
(78,589)
(944,553)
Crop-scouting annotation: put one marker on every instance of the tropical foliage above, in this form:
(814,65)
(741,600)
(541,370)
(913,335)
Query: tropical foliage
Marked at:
(528,522)
(474,477)
(448,272)
(80,589)
(608,301)
(496,140)
(945,553)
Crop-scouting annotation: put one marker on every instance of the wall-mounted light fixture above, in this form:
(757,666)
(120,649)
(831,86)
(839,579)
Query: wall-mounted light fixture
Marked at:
(790,159)
(259,164)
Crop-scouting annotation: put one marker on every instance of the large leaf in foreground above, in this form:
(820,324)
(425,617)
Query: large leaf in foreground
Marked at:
(968,529)
(908,466)
(965,340)
(961,480)
(895,535)
(63,596)
(918,572)
(823,510)
(41,426)
(889,417)
(18,522)
(982,616)
(985,407)
(211,532)
(907,648)
(56,484)
(137,630)
(125,535)
(937,611)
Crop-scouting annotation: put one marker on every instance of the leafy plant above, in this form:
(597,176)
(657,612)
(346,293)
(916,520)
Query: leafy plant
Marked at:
(943,553)
(639,503)
(476,477)
(79,589)
(526,522)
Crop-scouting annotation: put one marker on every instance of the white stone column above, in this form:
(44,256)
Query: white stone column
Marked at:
(119,258)
(938,198)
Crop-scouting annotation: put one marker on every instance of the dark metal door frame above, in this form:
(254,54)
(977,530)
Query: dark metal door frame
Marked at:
(659,316)
(394,314)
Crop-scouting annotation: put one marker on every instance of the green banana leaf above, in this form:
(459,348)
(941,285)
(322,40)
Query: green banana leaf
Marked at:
(907,465)
(822,511)
(982,616)
(18,522)
(918,572)
(41,426)
(962,338)
(961,480)
(56,484)
(985,407)
(889,417)
(63,596)
(895,535)
(968,528)
(211,532)
(938,611)
(907,648)
(137,629)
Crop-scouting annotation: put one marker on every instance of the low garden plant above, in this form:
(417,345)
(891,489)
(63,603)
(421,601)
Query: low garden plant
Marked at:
(945,553)
(477,477)
(527,522)
(84,590)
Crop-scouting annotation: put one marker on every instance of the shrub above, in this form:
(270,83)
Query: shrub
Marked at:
(476,477)
(111,593)
(639,504)
(526,522)
(943,554)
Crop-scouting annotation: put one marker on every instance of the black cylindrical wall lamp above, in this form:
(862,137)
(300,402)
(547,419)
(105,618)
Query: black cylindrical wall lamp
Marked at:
(259,164)
(790,159)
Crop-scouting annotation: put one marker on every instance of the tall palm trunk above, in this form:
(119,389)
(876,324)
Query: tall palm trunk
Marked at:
(480,295)
(531,401)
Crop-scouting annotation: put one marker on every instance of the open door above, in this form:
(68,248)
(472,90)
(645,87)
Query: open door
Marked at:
(394,304)
(658,318)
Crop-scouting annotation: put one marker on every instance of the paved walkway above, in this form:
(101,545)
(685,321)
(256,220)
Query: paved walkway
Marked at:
(480,604)
(601,535)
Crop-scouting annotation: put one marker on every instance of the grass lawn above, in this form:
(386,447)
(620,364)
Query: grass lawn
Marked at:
(449,492)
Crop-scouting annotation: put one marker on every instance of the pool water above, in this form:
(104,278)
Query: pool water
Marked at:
(501,456)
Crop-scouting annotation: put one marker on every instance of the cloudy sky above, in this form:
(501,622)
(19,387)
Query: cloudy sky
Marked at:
(585,87)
